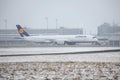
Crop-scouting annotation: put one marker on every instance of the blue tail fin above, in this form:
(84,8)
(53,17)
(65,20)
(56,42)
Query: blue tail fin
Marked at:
(21,31)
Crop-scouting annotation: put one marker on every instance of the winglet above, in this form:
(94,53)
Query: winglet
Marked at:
(21,31)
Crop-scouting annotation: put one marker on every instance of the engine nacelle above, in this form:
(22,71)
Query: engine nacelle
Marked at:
(60,42)
(63,42)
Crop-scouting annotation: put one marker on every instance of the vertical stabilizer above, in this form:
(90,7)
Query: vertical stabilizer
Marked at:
(21,31)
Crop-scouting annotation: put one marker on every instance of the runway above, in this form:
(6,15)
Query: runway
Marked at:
(60,54)
(32,51)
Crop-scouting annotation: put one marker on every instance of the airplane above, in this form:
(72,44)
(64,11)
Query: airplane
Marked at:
(57,39)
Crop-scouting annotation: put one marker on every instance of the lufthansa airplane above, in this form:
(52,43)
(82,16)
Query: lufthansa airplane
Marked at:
(57,39)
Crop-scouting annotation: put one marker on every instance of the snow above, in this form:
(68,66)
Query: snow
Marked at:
(59,71)
(43,50)
(95,57)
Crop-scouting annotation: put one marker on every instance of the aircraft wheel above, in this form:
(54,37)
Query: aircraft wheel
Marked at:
(55,43)
(65,43)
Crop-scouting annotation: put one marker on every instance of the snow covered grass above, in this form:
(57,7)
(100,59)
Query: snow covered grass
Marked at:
(60,71)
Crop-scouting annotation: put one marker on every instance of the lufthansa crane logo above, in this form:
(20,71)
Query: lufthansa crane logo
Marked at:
(21,30)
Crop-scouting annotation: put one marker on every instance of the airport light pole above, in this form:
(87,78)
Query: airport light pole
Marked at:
(47,23)
(56,25)
(6,24)
(5,32)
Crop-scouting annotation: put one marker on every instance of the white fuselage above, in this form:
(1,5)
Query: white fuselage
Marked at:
(61,39)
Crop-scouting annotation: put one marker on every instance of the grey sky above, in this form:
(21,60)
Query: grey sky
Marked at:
(86,14)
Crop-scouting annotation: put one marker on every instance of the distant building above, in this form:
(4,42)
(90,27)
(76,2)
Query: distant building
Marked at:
(112,33)
(61,31)
(106,29)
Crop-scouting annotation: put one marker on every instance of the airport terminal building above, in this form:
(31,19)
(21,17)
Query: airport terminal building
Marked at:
(110,33)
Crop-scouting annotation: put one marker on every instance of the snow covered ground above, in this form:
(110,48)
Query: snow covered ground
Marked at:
(44,50)
(59,71)
(95,57)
